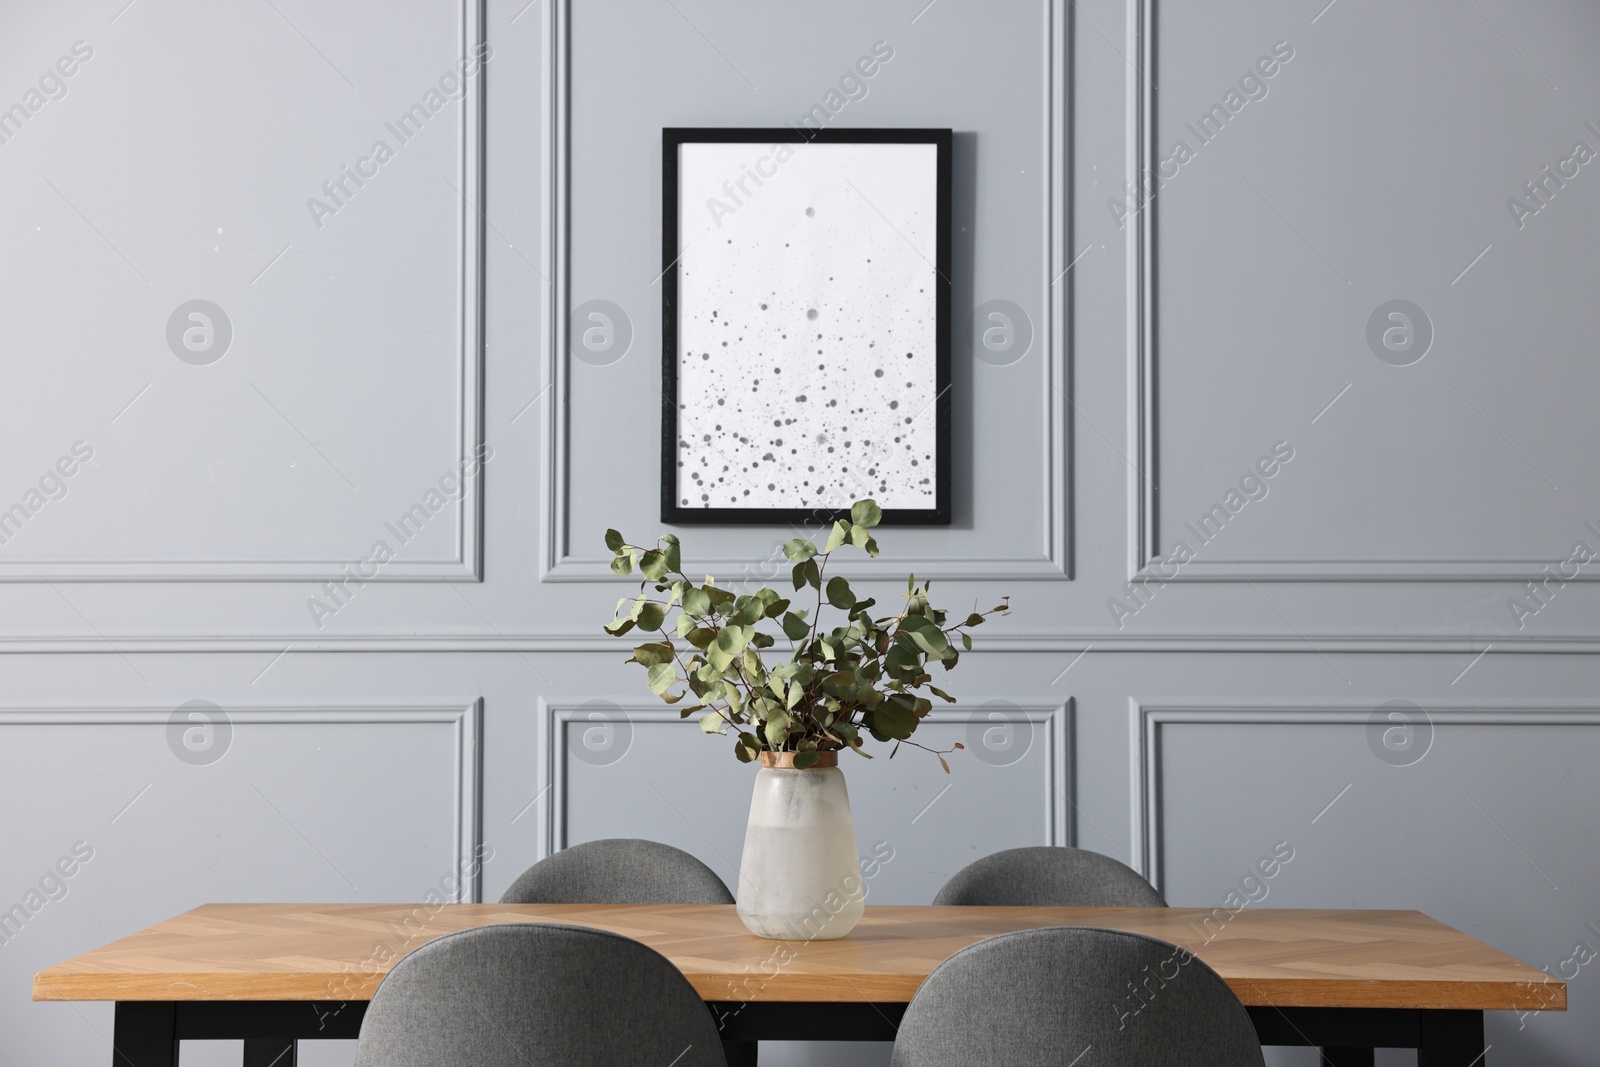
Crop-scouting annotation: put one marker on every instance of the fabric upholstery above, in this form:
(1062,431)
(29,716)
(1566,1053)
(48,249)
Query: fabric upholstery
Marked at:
(619,871)
(1046,997)
(627,871)
(536,995)
(1050,877)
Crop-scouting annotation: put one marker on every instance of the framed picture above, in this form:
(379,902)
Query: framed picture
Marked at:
(805,324)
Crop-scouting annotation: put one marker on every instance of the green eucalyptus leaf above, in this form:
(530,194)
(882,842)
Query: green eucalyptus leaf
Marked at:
(839,594)
(696,602)
(672,554)
(614,540)
(798,550)
(752,665)
(931,641)
(839,683)
(903,656)
(794,627)
(662,677)
(622,563)
(837,536)
(653,565)
(712,723)
(894,721)
(866,513)
(651,654)
(619,627)
(776,730)
(802,760)
(651,616)
(733,639)
(748,611)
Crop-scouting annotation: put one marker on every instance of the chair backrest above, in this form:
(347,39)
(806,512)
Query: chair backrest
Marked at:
(1048,876)
(536,995)
(619,871)
(1048,996)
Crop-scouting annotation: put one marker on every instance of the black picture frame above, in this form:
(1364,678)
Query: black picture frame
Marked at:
(672,138)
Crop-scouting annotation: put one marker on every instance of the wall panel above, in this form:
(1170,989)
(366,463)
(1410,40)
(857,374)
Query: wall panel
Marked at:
(1171,349)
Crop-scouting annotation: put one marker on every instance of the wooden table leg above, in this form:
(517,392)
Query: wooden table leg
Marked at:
(1451,1039)
(268,1052)
(1343,1056)
(145,1035)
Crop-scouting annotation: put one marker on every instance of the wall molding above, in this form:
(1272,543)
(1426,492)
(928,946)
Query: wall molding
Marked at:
(466,565)
(1347,570)
(557,713)
(558,564)
(1144,549)
(1144,743)
(466,719)
(1022,642)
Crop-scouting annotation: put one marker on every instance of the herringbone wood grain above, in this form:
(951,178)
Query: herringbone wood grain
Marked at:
(340,952)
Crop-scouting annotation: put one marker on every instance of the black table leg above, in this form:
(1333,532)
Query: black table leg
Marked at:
(1451,1039)
(269,1052)
(145,1035)
(1345,1056)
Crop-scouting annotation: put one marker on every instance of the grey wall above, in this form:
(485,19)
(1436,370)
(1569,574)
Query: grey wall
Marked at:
(1186,723)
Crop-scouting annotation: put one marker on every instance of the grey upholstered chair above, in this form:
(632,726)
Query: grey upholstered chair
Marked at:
(619,870)
(1045,997)
(625,870)
(1050,877)
(536,995)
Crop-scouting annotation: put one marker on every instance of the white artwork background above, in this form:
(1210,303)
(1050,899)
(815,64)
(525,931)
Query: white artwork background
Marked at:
(806,319)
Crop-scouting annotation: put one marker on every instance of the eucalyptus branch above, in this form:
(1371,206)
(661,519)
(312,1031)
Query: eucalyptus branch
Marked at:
(869,671)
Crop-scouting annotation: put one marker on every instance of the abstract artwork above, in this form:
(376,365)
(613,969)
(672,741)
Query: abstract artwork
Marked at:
(805,324)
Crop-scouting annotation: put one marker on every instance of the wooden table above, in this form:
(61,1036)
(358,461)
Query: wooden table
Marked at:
(272,974)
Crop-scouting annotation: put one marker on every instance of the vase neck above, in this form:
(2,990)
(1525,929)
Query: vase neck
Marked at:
(785,760)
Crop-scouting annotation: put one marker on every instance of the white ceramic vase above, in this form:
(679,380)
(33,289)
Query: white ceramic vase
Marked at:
(800,876)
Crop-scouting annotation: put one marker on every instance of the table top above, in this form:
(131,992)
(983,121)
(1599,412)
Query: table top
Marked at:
(1269,956)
